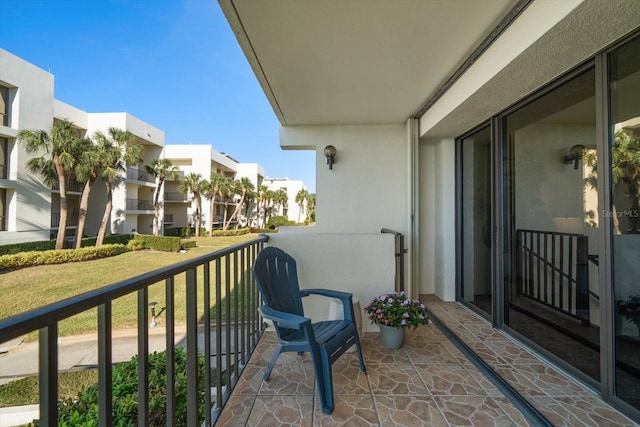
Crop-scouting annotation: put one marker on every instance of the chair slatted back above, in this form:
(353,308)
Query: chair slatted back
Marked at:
(277,278)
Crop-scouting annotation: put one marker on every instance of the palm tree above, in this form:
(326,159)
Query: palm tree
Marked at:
(193,183)
(59,148)
(241,187)
(311,207)
(280,198)
(264,195)
(115,152)
(226,191)
(87,170)
(301,197)
(212,192)
(160,169)
(625,168)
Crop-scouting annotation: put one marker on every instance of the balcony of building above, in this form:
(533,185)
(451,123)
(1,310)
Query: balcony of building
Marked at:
(457,370)
(139,205)
(176,197)
(72,219)
(73,186)
(3,171)
(168,219)
(135,174)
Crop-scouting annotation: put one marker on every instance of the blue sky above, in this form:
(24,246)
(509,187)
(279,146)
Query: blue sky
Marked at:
(174,64)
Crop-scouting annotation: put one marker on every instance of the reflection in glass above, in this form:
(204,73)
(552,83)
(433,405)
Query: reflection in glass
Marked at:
(551,237)
(475,175)
(624,214)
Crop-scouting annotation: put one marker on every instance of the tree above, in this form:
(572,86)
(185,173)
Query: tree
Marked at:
(60,152)
(241,187)
(212,192)
(625,169)
(264,197)
(226,191)
(115,153)
(280,198)
(87,170)
(301,198)
(311,207)
(193,183)
(160,169)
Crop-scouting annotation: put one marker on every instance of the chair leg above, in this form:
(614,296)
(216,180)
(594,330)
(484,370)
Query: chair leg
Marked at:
(361,359)
(325,386)
(272,362)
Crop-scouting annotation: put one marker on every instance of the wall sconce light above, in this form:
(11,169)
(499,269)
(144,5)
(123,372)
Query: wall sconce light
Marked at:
(575,154)
(330,154)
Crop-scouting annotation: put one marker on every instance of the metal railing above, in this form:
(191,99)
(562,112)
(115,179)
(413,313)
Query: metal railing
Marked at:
(139,205)
(72,219)
(222,282)
(140,175)
(168,218)
(400,250)
(175,196)
(552,269)
(72,186)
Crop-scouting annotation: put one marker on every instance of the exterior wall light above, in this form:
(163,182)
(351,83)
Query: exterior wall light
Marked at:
(330,154)
(575,154)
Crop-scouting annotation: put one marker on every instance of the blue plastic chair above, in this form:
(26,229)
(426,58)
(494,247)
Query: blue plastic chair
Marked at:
(277,277)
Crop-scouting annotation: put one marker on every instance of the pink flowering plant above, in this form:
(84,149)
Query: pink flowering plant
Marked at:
(397,310)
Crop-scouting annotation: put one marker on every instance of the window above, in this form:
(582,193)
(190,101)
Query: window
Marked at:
(4,106)
(4,158)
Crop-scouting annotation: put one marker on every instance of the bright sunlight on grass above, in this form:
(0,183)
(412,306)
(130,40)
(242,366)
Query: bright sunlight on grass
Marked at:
(29,288)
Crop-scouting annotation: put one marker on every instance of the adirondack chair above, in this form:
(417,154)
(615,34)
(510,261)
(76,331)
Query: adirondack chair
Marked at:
(277,278)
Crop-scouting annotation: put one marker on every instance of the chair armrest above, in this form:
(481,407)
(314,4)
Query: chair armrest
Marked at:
(342,296)
(285,320)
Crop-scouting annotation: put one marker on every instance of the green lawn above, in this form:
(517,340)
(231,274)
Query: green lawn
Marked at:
(28,288)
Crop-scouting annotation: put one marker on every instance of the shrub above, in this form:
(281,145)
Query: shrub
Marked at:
(27,247)
(186,244)
(234,232)
(59,256)
(277,221)
(123,239)
(262,230)
(83,409)
(174,232)
(159,243)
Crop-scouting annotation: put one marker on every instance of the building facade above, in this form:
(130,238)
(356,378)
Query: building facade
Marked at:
(498,136)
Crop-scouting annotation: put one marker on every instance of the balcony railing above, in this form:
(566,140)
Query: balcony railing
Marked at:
(72,219)
(3,171)
(140,175)
(139,205)
(175,196)
(230,329)
(168,218)
(73,186)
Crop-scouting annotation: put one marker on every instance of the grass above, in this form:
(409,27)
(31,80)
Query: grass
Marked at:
(25,391)
(53,283)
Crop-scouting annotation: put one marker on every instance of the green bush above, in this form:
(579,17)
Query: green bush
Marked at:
(59,256)
(174,232)
(263,230)
(27,247)
(123,239)
(234,232)
(83,409)
(277,221)
(159,243)
(186,244)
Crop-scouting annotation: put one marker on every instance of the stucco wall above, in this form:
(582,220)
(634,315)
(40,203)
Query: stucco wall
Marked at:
(363,264)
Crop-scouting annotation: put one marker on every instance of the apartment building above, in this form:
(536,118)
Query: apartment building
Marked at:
(204,160)
(290,209)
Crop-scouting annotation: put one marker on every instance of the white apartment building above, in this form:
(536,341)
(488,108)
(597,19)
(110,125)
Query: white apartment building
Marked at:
(29,210)
(291,209)
(204,160)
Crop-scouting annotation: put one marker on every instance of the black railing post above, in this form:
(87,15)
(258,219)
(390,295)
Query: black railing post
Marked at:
(399,258)
(48,368)
(192,348)
(105,383)
(582,280)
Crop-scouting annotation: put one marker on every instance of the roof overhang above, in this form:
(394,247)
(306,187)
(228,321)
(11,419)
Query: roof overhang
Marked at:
(354,62)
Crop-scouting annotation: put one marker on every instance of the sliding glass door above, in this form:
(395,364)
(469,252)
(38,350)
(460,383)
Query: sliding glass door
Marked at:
(475,219)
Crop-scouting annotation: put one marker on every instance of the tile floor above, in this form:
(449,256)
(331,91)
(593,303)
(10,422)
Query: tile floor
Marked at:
(428,382)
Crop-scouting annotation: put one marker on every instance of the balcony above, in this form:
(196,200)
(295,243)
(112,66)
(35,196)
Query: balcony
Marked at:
(72,219)
(168,219)
(3,171)
(72,187)
(139,205)
(4,119)
(136,174)
(176,196)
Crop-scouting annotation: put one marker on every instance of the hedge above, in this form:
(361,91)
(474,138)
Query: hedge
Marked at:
(159,243)
(51,244)
(60,256)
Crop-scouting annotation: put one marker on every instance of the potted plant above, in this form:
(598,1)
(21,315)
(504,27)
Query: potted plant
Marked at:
(630,309)
(394,312)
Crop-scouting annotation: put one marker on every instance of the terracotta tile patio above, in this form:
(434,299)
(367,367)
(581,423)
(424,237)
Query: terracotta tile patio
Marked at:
(428,382)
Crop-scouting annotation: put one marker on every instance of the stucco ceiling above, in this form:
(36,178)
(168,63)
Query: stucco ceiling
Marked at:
(355,61)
